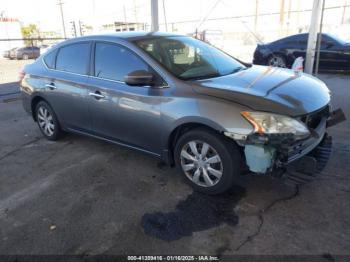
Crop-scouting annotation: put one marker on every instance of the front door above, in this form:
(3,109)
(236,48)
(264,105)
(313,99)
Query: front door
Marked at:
(332,55)
(127,114)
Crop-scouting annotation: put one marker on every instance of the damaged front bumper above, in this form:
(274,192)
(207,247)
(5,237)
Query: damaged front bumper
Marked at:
(305,169)
(280,155)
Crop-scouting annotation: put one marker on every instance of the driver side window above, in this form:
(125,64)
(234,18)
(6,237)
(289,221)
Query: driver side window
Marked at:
(114,61)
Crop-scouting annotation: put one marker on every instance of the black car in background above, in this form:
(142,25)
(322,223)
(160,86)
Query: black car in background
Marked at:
(334,52)
(28,52)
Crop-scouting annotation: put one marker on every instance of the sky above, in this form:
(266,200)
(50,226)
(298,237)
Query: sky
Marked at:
(46,13)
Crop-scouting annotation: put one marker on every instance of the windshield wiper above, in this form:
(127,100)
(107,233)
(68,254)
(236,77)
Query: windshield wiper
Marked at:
(201,77)
(237,69)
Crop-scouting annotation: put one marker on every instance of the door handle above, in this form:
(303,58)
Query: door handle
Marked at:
(97,95)
(51,86)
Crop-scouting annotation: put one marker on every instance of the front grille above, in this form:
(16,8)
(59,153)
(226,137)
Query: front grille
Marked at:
(313,120)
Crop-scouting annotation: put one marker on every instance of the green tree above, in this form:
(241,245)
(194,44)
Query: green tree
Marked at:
(30,31)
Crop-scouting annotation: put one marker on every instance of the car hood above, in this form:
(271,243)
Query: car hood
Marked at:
(269,89)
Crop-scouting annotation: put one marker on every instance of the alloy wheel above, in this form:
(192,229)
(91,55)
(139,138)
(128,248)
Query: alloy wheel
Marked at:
(277,61)
(201,163)
(45,121)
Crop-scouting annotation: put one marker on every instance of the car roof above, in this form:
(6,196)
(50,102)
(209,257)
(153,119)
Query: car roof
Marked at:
(140,34)
(298,37)
(128,36)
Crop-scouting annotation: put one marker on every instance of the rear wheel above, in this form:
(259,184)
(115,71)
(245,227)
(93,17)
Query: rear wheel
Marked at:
(210,163)
(47,121)
(25,57)
(277,61)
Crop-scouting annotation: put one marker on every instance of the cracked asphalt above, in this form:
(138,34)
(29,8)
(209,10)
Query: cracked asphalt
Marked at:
(84,196)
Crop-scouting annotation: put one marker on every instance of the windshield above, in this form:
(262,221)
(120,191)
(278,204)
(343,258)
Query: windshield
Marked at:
(188,58)
(337,39)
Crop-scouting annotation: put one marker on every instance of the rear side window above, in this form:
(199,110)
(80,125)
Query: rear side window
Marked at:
(50,59)
(114,61)
(74,58)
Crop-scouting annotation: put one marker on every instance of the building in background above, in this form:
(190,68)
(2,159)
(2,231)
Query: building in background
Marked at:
(124,26)
(10,28)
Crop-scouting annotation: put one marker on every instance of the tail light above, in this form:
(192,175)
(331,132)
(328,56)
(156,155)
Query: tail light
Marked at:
(21,75)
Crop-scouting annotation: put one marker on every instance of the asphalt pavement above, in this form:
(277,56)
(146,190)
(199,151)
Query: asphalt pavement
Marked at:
(84,196)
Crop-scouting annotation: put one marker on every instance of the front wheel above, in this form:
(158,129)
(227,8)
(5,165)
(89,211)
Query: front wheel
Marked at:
(210,163)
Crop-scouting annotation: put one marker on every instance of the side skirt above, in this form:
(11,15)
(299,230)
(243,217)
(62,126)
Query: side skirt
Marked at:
(113,142)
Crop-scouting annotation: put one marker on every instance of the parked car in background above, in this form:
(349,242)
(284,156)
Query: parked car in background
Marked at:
(334,52)
(6,53)
(28,52)
(45,48)
(182,101)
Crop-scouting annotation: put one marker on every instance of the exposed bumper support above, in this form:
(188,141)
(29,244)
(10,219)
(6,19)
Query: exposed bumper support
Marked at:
(306,169)
(336,117)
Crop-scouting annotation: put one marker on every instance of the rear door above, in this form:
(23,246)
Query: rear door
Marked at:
(66,86)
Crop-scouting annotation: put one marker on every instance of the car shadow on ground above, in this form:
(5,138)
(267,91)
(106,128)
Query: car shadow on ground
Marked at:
(9,92)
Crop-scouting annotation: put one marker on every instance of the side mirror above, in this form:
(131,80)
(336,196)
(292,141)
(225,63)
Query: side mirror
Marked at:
(139,78)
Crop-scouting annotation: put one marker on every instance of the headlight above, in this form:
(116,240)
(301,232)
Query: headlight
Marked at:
(266,123)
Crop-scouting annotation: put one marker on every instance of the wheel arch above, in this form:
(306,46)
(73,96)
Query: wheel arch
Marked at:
(289,58)
(184,126)
(35,100)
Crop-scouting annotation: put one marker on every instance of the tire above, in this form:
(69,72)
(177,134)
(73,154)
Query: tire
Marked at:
(25,57)
(277,61)
(229,157)
(47,121)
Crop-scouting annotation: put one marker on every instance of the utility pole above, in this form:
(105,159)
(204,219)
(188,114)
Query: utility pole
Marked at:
(154,15)
(94,15)
(282,13)
(164,13)
(343,15)
(289,15)
(313,31)
(81,28)
(74,29)
(281,18)
(62,18)
(319,40)
(126,28)
(298,16)
(256,15)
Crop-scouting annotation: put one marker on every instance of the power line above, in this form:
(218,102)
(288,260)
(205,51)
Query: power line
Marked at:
(208,14)
(121,12)
(253,15)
